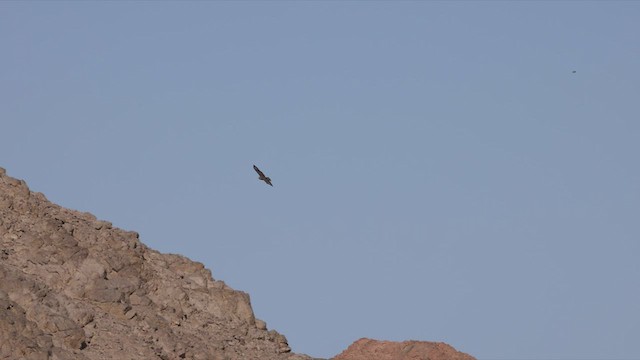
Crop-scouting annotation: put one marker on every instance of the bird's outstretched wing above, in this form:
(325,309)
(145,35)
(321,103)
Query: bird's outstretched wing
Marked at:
(260,173)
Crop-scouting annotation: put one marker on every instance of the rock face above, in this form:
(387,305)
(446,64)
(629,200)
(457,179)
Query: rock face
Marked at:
(367,349)
(74,287)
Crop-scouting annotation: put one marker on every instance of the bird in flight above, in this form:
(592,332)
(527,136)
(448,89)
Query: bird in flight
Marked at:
(262,176)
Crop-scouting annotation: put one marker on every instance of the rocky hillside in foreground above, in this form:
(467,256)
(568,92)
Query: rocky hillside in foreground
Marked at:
(74,287)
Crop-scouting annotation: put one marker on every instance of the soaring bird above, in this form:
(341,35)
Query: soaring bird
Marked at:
(262,176)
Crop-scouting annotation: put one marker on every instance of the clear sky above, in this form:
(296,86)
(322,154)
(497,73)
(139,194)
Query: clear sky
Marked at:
(465,172)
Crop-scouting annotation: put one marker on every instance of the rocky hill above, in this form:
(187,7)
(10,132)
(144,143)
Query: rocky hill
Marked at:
(367,349)
(74,287)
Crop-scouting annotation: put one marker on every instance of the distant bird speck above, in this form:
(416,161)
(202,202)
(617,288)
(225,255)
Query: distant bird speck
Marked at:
(261,175)
(573,71)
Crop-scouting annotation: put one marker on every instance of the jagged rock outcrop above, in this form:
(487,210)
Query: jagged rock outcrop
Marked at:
(367,349)
(74,287)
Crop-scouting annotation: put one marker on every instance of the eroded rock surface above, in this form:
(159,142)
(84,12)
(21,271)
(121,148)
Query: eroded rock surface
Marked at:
(367,349)
(74,287)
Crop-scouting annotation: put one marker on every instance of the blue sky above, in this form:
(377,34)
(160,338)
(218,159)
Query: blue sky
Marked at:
(439,171)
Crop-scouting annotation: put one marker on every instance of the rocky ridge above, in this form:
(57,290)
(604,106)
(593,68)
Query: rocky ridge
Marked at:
(367,349)
(75,287)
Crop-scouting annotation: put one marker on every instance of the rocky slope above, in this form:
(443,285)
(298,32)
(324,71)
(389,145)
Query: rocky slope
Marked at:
(74,287)
(367,349)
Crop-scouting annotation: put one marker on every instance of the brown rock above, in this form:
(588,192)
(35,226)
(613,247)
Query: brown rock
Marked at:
(367,349)
(75,287)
